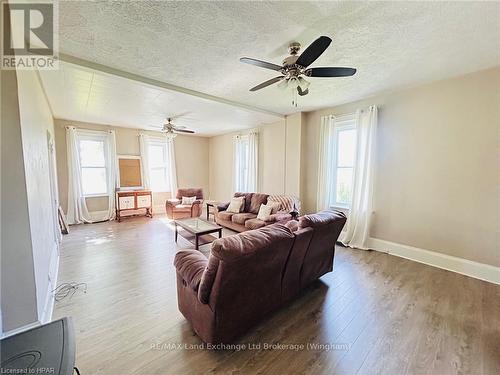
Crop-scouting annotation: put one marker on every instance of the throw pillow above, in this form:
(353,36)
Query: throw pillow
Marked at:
(188,200)
(275,206)
(236,205)
(264,212)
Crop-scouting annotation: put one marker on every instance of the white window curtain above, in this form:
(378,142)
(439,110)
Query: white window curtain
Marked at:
(77,206)
(143,148)
(246,162)
(357,230)
(325,172)
(145,141)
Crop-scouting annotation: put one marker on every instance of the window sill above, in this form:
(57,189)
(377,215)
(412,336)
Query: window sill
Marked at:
(96,195)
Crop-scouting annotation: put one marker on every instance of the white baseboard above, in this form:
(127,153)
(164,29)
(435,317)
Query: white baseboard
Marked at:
(466,267)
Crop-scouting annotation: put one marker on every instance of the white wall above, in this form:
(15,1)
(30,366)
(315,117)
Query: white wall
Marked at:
(18,289)
(36,124)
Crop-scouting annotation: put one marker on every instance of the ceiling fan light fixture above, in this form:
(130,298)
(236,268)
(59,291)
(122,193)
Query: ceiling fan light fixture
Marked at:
(283,85)
(170,135)
(304,84)
(293,83)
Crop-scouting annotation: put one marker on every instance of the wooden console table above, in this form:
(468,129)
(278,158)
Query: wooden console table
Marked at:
(134,200)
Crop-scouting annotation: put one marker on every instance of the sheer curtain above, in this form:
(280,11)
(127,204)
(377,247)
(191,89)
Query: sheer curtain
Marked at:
(77,206)
(357,228)
(325,174)
(144,143)
(143,148)
(253,161)
(171,166)
(246,162)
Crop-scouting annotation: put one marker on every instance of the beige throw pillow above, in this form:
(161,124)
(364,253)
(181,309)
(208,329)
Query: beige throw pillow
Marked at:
(236,205)
(188,200)
(275,206)
(264,212)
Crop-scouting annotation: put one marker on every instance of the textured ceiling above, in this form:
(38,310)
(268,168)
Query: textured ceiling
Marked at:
(82,94)
(197,44)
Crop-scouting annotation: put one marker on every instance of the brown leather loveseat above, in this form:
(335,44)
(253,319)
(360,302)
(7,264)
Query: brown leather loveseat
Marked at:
(250,274)
(247,218)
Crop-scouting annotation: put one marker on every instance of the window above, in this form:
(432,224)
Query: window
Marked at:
(158,166)
(94,170)
(344,146)
(242,159)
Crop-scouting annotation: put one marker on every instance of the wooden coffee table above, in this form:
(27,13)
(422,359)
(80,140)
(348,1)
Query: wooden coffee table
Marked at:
(197,231)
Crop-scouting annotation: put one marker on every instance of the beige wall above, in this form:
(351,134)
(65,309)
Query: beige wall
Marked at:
(221,164)
(293,141)
(438,166)
(279,159)
(272,148)
(191,154)
(37,127)
(18,289)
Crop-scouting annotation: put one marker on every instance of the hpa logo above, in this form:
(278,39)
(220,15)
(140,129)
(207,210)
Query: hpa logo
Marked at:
(29,35)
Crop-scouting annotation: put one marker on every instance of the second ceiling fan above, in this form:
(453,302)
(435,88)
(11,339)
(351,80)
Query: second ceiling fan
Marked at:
(296,66)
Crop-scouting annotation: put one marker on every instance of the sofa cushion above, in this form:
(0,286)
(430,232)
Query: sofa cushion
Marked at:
(224,215)
(233,247)
(264,212)
(257,200)
(320,219)
(183,207)
(198,193)
(190,265)
(236,205)
(254,224)
(248,200)
(188,200)
(242,217)
(293,225)
(286,202)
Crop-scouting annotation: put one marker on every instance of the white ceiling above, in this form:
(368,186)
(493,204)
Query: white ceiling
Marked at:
(83,94)
(197,45)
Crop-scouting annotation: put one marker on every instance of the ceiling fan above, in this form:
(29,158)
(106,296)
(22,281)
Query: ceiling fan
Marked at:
(296,66)
(171,130)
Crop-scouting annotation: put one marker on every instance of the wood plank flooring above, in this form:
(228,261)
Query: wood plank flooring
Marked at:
(374,314)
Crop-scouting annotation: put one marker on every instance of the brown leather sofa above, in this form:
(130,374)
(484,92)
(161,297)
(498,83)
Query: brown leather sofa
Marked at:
(176,210)
(250,274)
(247,219)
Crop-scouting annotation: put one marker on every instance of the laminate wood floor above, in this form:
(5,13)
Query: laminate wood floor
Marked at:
(374,314)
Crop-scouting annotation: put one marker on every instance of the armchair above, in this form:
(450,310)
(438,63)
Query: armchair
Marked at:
(176,210)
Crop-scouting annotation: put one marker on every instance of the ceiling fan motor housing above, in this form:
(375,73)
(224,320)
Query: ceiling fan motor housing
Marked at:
(290,60)
(294,48)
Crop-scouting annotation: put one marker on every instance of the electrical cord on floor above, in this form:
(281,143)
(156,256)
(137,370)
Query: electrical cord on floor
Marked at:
(68,289)
(77,371)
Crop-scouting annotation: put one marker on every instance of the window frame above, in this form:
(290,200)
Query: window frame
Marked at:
(343,124)
(106,167)
(164,166)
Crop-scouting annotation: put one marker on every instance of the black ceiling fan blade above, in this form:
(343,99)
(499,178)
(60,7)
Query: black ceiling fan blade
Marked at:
(267,83)
(183,131)
(262,64)
(314,51)
(330,72)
